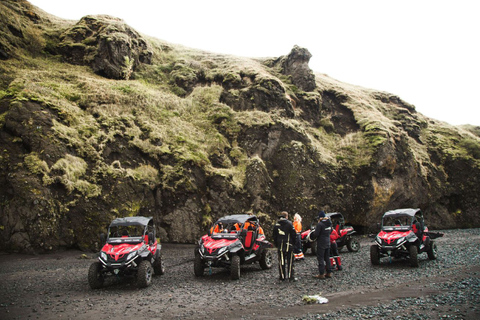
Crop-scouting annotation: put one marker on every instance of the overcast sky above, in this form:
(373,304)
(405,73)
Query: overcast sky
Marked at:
(426,52)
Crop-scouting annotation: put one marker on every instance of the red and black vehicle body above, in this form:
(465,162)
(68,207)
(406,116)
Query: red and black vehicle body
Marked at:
(345,232)
(403,234)
(131,249)
(233,241)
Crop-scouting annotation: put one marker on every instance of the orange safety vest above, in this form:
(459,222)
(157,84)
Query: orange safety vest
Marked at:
(248,224)
(216,230)
(298,226)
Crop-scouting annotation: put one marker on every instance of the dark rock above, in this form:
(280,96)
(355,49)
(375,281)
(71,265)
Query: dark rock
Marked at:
(112,48)
(296,66)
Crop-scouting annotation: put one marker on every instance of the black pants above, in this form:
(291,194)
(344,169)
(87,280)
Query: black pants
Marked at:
(298,244)
(323,258)
(334,249)
(285,264)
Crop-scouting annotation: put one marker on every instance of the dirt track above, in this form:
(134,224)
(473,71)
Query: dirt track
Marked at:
(55,286)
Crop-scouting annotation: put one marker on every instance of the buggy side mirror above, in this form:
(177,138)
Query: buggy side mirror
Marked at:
(102,238)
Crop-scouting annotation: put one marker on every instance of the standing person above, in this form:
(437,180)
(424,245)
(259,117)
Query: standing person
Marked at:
(322,235)
(297,224)
(284,237)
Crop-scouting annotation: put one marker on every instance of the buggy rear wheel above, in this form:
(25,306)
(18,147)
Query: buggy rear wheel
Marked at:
(144,274)
(353,245)
(198,266)
(95,276)
(375,255)
(266,260)
(432,251)
(413,252)
(235,268)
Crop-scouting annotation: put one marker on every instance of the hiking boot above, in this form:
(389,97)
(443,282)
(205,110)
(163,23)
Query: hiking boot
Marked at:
(319,276)
(328,275)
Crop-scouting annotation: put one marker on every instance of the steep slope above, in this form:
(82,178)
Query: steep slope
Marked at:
(99,121)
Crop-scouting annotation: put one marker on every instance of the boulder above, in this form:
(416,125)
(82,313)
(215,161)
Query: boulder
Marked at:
(106,44)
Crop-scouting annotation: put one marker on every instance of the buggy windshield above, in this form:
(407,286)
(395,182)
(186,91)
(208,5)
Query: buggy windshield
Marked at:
(232,223)
(127,234)
(397,222)
(336,218)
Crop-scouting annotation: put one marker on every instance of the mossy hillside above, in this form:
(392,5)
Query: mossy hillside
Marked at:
(194,135)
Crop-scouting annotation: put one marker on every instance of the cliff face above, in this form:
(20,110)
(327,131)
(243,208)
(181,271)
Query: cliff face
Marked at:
(98,121)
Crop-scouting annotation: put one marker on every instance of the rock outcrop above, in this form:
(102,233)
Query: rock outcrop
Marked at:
(106,44)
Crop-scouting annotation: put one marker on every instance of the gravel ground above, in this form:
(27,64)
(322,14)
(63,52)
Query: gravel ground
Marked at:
(54,286)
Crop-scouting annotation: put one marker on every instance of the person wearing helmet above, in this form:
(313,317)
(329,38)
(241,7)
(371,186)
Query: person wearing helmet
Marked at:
(322,235)
(284,238)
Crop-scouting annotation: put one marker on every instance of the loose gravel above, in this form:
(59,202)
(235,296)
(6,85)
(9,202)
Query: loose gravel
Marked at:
(55,286)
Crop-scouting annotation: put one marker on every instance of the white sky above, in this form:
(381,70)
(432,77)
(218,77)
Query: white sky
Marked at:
(425,51)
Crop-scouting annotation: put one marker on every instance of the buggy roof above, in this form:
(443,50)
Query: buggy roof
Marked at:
(401,212)
(131,221)
(331,214)
(240,218)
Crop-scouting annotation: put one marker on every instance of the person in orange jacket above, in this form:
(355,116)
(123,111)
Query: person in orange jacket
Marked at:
(253,226)
(297,250)
(217,228)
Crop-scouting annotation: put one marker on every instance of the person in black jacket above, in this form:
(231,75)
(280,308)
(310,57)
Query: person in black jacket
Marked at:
(322,235)
(284,238)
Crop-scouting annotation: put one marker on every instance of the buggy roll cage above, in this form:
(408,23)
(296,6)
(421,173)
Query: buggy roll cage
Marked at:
(397,214)
(145,222)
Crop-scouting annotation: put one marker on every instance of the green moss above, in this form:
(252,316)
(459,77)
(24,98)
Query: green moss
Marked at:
(35,165)
(2,119)
(145,174)
(471,146)
(207,220)
(71,169)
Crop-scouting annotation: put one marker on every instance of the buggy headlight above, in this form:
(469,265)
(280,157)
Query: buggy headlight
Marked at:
(222,250)
(131,255)
(103,256)
(400,240)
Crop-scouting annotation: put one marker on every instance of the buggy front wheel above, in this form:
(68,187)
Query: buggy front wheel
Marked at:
(235,268)
(413,252)
(313,247)
(95,276)
(198,265)
(374,255)
(144,275)
(158,265)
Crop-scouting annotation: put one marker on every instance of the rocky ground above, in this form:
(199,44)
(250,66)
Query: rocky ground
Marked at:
(54,286)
